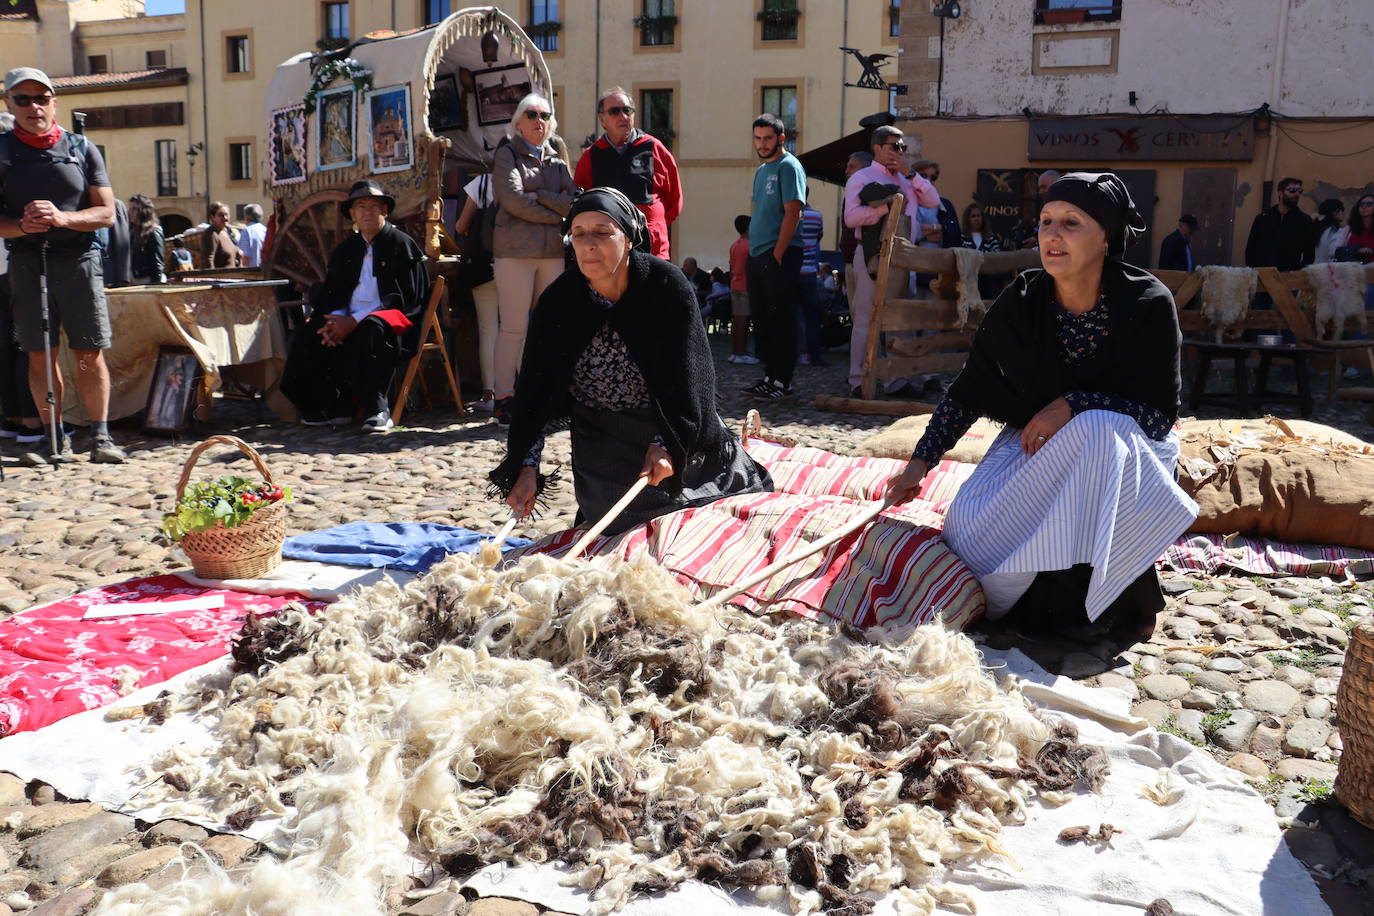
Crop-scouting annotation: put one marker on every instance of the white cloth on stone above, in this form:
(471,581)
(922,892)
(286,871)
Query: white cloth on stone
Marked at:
(1099,492)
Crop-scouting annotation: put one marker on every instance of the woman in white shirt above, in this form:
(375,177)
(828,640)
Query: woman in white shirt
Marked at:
(1331,229)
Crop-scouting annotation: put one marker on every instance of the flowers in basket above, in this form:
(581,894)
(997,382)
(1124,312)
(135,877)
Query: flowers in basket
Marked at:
(229,499)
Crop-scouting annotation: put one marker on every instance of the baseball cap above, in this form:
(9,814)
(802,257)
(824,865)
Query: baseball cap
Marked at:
(21,74)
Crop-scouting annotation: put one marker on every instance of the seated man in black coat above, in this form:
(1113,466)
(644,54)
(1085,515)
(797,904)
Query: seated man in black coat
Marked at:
(365,319)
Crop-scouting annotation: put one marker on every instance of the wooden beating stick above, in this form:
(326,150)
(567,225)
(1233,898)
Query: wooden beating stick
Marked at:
(606,519)
(797,556)
(506,529)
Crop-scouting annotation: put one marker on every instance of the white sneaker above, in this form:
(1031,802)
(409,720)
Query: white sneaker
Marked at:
(744,359)
(378,423)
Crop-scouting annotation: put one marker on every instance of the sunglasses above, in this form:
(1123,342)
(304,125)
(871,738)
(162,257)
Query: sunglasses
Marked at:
(898,145)
(537,115)
(616,111)
(24,101)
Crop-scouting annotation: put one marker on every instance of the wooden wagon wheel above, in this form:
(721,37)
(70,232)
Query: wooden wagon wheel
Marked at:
(307,237)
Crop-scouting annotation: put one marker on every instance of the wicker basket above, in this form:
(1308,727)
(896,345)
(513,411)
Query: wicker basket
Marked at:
(249,551)
(1355,711)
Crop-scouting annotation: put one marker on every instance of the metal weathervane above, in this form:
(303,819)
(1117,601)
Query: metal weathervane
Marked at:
(870,78)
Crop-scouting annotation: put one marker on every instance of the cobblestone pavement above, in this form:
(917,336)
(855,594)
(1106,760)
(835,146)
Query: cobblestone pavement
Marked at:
(1245,668)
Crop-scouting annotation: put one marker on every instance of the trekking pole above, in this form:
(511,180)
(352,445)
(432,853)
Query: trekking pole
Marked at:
(53,419)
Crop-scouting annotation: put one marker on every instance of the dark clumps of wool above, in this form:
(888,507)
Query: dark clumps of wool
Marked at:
(264,641)
(918,779)
(176,781)
(159,709)
(244,817)
(1061,763)
(440,621)
(808,867)
(1084,834)
(863,699)
(664,657)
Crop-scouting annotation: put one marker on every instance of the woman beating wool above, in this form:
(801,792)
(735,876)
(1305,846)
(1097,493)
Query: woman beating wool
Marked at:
(1064,517)
(617,345)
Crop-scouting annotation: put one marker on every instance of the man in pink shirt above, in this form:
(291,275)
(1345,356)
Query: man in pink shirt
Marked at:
(739,295)
(887,168)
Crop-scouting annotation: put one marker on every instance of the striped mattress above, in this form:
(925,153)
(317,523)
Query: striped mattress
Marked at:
(895,573)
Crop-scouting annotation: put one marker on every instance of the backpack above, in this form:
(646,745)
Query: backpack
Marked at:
(77,145)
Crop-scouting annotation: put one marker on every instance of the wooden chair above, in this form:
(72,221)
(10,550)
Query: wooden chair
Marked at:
(431,339)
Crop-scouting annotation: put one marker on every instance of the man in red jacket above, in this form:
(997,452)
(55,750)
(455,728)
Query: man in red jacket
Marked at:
(635,164)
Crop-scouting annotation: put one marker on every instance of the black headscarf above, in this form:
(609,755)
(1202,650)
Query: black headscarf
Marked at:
(615,205)
(1105,198)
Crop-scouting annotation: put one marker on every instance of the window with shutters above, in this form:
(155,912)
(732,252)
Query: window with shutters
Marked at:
(1063,12)
(544,25)
(236,56)
(155,60)
(334,19)
(656,115)
(120,117)
(782,101)
(657,23)
(779,20)
(241,161)
(894,19)
(98,63)
(165,155)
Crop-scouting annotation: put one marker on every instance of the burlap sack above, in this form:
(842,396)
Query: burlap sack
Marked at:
(898,440)
(1315,486)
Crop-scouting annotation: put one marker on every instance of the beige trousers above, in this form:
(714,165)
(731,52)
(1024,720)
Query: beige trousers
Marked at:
(519,283)
(484,298)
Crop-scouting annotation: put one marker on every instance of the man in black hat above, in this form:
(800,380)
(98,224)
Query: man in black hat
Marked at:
(365,319)
(1175,252)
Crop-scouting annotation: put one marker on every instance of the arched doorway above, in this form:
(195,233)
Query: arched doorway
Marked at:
(174,224)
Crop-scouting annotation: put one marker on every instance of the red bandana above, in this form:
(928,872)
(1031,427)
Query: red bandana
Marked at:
(39,141)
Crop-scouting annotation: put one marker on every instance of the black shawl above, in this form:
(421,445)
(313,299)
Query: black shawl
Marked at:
(399,266)
(1014,368)
(657,318)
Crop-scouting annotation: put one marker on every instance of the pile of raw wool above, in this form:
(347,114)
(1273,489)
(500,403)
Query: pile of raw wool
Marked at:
(594,716)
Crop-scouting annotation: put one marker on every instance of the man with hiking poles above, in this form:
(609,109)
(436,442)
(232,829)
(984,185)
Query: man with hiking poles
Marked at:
(54,194)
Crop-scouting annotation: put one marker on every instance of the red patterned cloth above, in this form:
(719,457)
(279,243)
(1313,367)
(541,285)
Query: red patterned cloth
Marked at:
(1206,553)
(895,572)
(54,664)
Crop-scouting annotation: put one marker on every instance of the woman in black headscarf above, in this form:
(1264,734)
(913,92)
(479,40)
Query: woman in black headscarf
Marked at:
(1067,512)
(616,344)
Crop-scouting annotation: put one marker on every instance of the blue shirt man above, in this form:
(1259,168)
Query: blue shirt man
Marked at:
(775,254)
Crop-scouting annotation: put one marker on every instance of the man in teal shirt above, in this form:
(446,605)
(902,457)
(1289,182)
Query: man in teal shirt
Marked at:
(775,256)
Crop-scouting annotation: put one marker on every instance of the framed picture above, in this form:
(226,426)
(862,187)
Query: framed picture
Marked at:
(499,90)
(447,110)
(172,395)
(335,138)
(286,139)
(388,129)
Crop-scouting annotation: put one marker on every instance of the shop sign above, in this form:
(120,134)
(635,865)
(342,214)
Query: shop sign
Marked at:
(1117,139)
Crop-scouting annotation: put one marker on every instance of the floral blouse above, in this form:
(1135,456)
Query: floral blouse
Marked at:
(1079,337)
(604,378)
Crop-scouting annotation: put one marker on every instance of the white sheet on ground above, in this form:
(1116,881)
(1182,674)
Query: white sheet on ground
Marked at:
(1216,850)
(321,581)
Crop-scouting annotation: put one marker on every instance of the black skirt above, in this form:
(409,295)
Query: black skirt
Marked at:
(608,449)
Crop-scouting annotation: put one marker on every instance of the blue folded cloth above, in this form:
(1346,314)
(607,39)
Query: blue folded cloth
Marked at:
(410,546)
